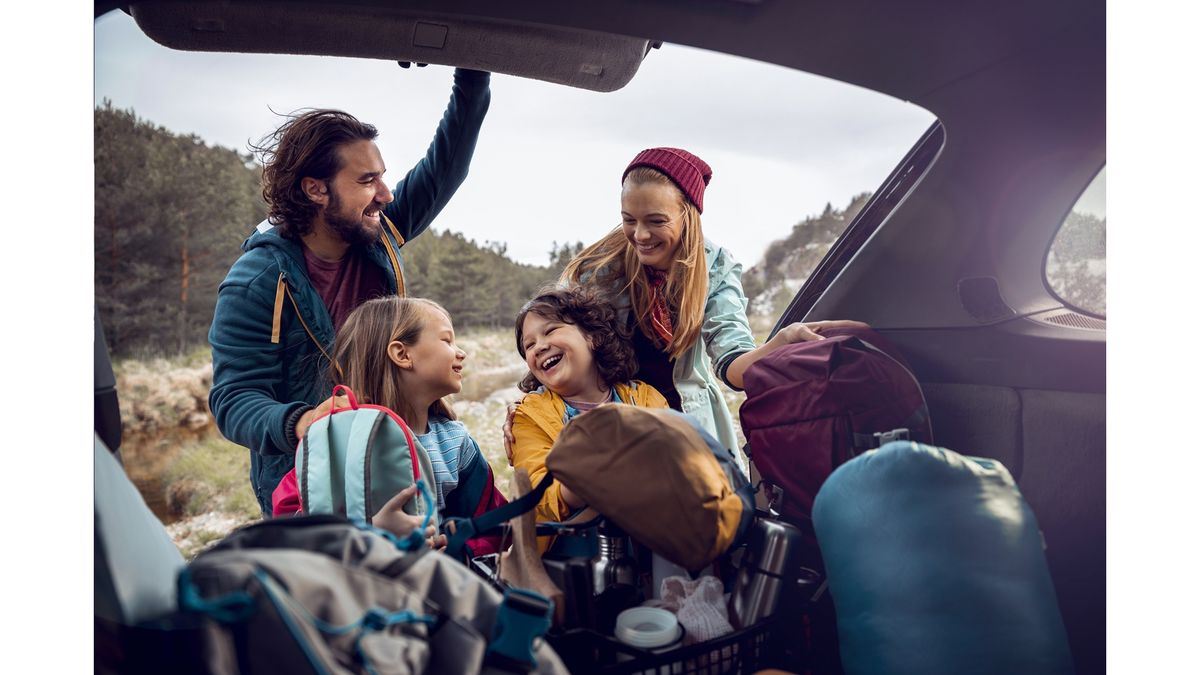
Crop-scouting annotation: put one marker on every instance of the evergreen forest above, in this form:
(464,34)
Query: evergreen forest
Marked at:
(173,211)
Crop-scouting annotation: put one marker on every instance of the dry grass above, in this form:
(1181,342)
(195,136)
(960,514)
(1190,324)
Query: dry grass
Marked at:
(212,475)
(164,410)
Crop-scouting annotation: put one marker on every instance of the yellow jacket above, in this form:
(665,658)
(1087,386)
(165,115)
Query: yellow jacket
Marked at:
(536,425)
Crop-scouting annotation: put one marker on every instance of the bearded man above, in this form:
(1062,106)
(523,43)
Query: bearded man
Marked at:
(330,242)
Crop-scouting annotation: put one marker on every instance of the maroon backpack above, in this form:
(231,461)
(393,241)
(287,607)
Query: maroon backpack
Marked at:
(812,406)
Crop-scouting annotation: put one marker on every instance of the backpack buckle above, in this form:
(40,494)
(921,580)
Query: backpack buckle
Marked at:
(772,493)
(523,617)
(885,437)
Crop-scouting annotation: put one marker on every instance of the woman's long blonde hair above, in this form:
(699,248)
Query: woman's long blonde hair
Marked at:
(361,350)
(613,261)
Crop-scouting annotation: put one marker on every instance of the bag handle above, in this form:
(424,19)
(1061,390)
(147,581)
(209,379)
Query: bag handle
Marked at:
(349,393)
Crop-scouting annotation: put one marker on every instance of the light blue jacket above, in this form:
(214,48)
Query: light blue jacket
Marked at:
(724,335)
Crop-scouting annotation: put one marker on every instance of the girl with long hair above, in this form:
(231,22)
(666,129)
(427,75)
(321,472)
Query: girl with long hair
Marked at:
(400,353)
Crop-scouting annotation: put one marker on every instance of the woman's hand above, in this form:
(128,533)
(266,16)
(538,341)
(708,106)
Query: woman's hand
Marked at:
(393,519)
(796,332)
(807,332)
(509,439)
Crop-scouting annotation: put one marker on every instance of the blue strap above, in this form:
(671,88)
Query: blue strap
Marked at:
(523,617)
(469,528)
(427,505)
(229,608)
(376,620)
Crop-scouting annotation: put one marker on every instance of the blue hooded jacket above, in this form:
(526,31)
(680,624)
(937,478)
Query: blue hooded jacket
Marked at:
(271,331)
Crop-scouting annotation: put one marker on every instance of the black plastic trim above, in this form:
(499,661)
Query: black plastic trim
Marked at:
(902,180)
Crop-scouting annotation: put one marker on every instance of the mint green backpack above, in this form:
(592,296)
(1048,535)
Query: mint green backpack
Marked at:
(352,460)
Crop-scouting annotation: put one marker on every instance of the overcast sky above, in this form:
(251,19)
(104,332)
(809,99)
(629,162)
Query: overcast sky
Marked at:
(549,159)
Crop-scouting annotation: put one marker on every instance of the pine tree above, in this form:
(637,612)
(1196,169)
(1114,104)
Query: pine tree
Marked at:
(170,215)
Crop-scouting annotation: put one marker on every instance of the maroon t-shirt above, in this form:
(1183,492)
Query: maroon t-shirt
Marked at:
(345,284)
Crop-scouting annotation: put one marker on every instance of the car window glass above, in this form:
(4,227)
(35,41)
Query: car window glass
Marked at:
(1075,268)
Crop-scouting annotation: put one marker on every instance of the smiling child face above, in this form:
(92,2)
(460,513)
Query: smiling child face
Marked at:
(437,360)
(560,357)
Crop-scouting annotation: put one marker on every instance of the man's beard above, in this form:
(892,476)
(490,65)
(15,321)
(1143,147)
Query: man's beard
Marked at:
(351,230)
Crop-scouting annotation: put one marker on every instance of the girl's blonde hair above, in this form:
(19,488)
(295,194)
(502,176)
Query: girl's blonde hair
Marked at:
(613,260)
(361,350)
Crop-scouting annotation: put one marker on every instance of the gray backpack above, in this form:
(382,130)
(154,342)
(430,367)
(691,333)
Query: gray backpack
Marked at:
(321,594)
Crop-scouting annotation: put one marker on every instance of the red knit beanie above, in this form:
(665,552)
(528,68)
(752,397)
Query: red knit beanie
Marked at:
(689,173)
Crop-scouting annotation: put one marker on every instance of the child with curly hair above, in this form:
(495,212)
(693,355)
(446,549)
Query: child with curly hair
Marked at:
(579,357)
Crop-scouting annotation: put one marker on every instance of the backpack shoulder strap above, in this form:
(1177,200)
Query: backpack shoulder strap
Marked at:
(523,617)
(469,528)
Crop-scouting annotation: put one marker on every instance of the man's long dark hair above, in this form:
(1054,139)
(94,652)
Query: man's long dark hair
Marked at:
(306,146)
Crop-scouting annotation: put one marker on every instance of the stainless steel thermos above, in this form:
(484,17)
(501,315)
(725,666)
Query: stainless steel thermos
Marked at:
(612,565)
(614,576)
(772,561)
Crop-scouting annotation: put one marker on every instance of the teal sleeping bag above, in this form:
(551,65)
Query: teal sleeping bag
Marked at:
(936,565)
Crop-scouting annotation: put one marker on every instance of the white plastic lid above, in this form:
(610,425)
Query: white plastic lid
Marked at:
(647,627)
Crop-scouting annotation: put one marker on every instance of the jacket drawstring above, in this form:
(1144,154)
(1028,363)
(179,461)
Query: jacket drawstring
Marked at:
(282,289)
(277,317)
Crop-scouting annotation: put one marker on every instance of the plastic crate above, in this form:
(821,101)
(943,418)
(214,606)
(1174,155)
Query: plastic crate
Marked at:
(586,651)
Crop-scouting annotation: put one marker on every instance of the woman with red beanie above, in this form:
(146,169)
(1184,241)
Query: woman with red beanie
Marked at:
(674,287)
